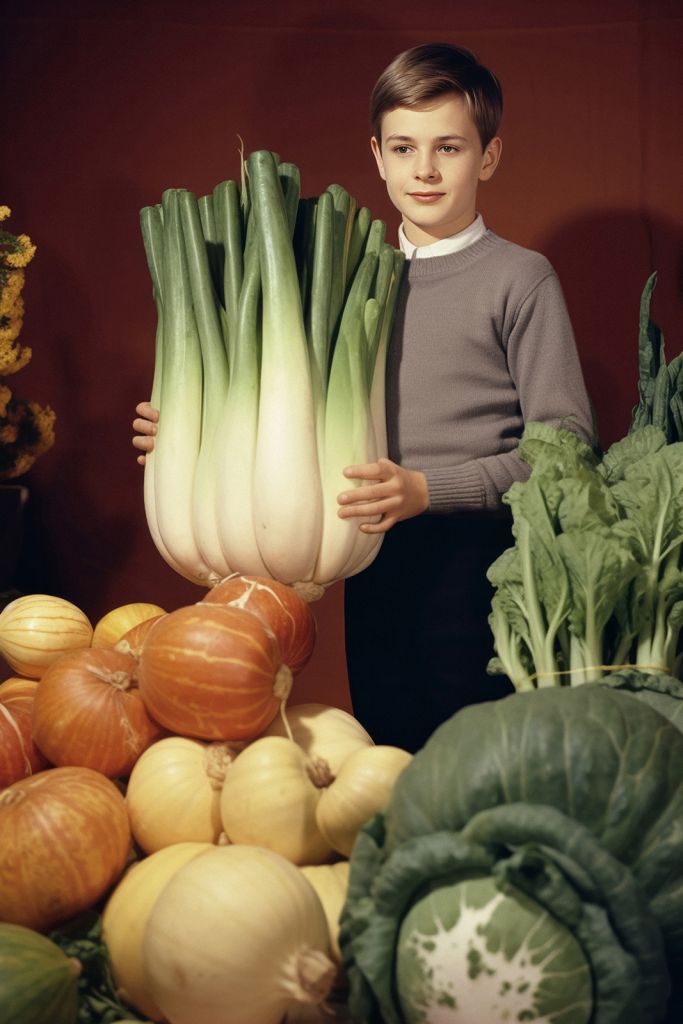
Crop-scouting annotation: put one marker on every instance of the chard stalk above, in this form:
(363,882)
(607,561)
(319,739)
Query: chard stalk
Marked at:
(542,651)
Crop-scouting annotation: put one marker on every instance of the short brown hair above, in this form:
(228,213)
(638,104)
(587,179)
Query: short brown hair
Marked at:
(430,70)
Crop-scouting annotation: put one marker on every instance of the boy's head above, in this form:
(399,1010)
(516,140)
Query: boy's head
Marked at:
(432,70)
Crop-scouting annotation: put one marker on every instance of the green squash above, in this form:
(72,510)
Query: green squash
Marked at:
(38,983)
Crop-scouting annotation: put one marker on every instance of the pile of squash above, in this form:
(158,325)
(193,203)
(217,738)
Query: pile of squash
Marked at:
(156,769)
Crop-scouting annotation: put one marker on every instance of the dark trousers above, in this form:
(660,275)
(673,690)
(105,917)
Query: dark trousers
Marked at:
(416,624)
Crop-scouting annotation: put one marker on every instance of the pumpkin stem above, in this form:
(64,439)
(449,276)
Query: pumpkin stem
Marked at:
(285,720)
(319,772)
(217,758)
(282,686)
(310,975)
(120,680)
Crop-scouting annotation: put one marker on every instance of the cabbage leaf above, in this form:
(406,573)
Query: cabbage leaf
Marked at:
(572,796)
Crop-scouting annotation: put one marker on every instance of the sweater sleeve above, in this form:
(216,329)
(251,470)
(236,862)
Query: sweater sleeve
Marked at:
(544,367)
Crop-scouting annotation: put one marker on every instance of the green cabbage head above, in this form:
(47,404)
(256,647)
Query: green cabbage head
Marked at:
(528,867)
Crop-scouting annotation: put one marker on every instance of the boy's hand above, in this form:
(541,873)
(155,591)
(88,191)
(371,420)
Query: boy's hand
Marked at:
(395,493)
(145,428)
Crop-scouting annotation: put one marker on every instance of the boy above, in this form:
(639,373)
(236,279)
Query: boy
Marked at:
(482,344)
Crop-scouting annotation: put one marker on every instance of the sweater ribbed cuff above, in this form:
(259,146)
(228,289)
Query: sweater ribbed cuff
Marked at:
(455,487)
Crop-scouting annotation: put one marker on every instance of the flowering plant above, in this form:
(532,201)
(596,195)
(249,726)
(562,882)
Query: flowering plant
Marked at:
(26,429)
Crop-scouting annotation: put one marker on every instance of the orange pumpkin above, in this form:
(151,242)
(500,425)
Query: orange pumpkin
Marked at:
(279,607)
(88,711)
(64,840)
(19,756)
(214,672)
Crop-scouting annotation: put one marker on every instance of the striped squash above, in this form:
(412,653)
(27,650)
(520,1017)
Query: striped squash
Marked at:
(19,756)
(213,672)
(36,629)
(38,982)
(64,840)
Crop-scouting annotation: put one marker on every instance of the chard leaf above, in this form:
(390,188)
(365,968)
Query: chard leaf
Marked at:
(554,452)
(660,401)
(676,406)
(650,357)
(651,499)
(511,639)
(600,566)
(586,503)
(629,450)
(509,599)
(544,579)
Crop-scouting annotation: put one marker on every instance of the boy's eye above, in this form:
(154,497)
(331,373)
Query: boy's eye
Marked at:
(401,149)
(449,149)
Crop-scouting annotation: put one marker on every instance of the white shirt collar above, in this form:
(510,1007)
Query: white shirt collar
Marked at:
(444,246)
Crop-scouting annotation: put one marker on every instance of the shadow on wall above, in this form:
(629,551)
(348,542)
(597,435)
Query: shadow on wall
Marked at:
(81,517)
(603,261)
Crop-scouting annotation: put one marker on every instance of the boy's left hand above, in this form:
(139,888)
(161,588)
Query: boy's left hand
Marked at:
(395,493)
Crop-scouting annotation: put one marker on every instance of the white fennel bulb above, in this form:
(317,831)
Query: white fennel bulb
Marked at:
(274,315)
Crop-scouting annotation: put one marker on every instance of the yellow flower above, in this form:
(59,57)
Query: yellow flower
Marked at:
(9,434)
(4,212)
(23,255)
(26,432)
(14,284)
(13,357)
(10,327)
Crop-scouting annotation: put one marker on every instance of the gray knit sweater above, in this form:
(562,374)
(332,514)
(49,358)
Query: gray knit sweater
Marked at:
(482,345)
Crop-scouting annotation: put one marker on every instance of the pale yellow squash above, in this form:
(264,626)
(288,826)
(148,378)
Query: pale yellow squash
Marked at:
(173,793)
(116,623)
(331,882)
(269,799)
(323,731)
(361,789)
(125,918)
(235,937)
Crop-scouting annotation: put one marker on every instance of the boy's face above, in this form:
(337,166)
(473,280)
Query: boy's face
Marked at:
(432,161)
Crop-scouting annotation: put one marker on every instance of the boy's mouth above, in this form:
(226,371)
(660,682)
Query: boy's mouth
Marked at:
(426,197)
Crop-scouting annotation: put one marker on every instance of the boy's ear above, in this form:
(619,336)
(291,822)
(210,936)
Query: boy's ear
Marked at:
(377,153)
(490,159)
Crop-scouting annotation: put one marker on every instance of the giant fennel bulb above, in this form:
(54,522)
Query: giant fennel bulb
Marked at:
(274,314)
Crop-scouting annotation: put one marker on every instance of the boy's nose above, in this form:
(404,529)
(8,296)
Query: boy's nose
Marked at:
(425,169)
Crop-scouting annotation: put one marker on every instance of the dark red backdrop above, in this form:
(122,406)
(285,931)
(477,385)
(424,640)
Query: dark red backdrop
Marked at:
(106,104)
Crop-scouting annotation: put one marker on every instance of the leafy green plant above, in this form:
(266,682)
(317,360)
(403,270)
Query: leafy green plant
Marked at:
(98,1000)
(660,386)
(533,833)
(595,579)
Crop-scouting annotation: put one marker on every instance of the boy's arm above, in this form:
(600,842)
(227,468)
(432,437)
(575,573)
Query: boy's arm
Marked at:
(145,428)
(545,370)
(544,367)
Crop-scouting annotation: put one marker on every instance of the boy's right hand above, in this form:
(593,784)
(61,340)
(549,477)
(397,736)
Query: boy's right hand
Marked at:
(145,427)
